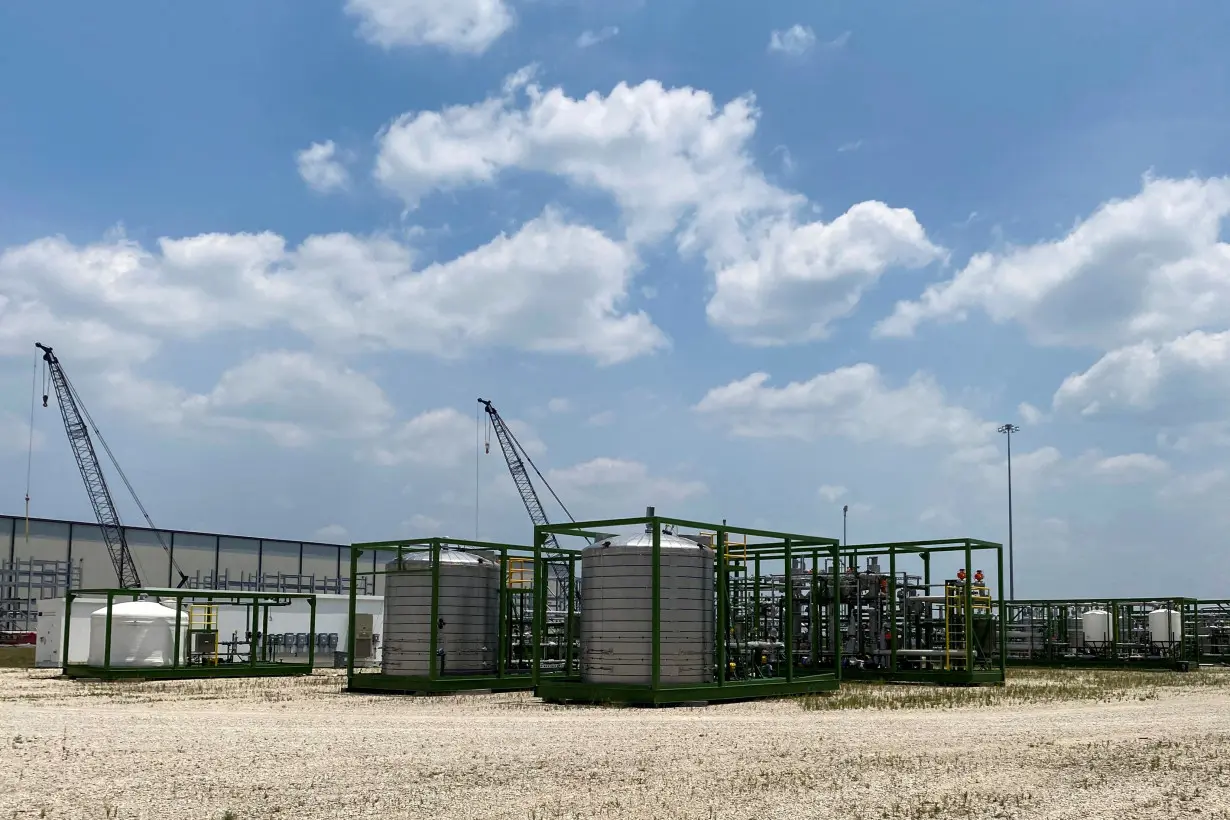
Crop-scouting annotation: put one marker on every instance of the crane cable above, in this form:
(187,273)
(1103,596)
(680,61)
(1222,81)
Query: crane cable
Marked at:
(30,448)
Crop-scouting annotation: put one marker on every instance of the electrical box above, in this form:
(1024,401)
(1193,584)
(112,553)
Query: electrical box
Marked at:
(363,630)
(204,642)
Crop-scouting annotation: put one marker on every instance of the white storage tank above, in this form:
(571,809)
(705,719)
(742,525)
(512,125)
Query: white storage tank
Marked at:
(142,634)
(1095,624)
(1165,627)
(467,615)
(617,610)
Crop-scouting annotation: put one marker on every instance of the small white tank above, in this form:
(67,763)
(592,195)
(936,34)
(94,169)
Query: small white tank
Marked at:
(142,634)
(1095,624)
(1165,626)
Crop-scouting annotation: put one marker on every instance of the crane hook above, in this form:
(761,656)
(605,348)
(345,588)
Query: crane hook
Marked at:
(44,399)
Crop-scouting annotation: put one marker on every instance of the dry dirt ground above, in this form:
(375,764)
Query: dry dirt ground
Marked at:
(1081,745)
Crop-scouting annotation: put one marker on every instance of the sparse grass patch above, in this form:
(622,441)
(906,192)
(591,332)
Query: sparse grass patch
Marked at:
(16,657)
(1024,687)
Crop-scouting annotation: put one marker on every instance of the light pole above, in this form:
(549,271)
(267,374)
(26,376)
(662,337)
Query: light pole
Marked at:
(845,510)
(1008,430)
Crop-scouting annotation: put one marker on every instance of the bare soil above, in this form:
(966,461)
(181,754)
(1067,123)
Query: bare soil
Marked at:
(299,748)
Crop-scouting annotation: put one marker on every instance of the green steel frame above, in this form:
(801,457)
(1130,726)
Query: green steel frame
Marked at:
(258,664)
(1044,632)
(911,644)
(1213,630)
(512,671)
(568,685)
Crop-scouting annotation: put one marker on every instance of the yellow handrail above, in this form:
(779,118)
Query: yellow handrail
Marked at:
(520,573)
(735,550)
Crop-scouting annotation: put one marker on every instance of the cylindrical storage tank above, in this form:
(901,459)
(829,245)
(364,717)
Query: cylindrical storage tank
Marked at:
(617,610)
(467,615)
(1095,624)
(142,634)
(1165,626)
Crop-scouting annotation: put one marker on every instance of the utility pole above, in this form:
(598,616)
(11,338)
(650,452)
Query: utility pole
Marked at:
(1008,430)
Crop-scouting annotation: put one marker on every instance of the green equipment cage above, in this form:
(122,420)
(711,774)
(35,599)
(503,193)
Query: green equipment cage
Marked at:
(166,634)
(1147,632)
(679,611)
(903,618)
(1213,631)
(459,615)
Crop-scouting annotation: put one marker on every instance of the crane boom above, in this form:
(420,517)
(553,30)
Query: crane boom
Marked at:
(520,476)
(76,418)
(92,474)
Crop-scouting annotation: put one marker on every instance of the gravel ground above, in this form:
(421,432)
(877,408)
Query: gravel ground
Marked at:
(300,749)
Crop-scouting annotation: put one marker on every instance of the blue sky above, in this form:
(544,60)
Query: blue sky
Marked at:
(682,205)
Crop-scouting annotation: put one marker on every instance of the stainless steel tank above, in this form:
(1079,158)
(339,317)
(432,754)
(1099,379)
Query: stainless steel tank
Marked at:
(467,615)
(617,610)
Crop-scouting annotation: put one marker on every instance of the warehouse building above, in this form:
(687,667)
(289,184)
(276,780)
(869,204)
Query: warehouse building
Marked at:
(40,558)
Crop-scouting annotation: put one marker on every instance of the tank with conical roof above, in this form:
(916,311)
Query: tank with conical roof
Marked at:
(617,610)
(467,610)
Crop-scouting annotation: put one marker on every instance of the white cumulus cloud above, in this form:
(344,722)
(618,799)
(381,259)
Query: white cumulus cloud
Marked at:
(617,483)
(854,402)
(1145,268)
(679,165)
(321,168)
(796,40)
(460,26)
(553,286)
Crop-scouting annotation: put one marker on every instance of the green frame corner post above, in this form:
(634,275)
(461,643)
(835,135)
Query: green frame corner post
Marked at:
(788,620)
(501,616)
(892,610)
(723,605)
(179,650)
(107,639)
(656,604)
(311,632)
(69,597)
(570,635)
(352,612)
(835,611)
(433,652)
(536,621)
(1003,613)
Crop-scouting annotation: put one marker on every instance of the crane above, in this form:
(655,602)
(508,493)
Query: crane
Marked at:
(513,452)
(75,416)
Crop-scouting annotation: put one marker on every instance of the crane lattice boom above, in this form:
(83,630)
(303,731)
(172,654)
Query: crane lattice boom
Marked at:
(516,466)
(92,474)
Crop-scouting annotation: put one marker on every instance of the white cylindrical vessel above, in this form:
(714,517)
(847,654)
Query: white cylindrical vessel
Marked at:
(617,610)
(467,615)
(142,634)
(1095,624)
(1165,627)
